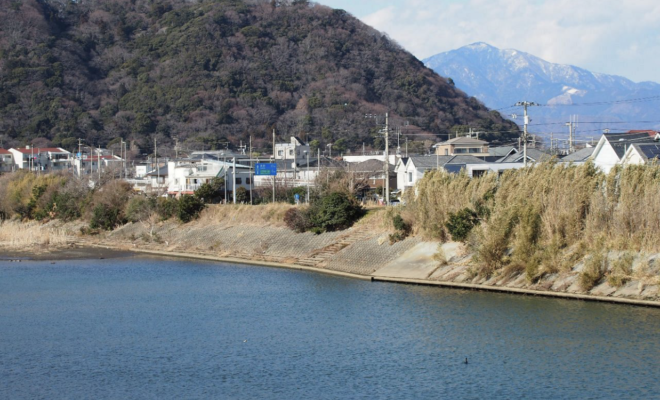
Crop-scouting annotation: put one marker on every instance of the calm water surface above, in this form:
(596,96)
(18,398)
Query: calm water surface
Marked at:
(139,328)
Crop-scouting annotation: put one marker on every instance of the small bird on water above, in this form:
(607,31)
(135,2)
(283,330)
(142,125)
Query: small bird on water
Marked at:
(465,362)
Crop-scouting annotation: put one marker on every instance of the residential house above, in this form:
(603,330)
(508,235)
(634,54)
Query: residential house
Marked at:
(500,152)
(294,150)
(90,164)
(6,161)
(187,175)
(462,146)
(533,156)
(613,146)
(641,154)
(372,173)
(579,157)
(414,169)
(41,158)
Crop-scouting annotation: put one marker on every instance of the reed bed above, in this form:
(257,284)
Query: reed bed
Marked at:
(17,235)
(271,214)
(544,218)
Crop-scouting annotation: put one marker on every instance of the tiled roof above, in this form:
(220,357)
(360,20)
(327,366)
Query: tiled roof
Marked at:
(533,154)
(430,162)
(648,150)
(3,151)
(463,140)
(36,150)
(580,155)
(501,151)
(621,141)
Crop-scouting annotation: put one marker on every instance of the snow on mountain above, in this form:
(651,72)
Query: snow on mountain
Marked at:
(502,77)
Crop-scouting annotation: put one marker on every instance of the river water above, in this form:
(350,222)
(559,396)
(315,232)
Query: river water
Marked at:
(140,328)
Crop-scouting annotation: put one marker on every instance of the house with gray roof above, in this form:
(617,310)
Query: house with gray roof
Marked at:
(613,146)
(416,166)
(533,156)
(579,157)
(641,154)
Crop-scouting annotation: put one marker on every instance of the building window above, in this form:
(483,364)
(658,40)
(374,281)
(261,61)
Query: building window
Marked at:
(290,152)
(446,152)
(474,150)
(239,181)
(279,152)
(409,176)
(247,181)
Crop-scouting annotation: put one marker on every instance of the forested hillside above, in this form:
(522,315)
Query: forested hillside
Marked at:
(212,72)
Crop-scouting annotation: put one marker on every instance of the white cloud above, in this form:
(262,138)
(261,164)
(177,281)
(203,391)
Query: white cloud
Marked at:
(609,36)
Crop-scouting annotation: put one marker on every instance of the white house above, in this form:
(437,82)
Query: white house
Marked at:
(187,175)
(612,146)
(295,150)
(41,158)
(87,164)
(6,161)
(641,154)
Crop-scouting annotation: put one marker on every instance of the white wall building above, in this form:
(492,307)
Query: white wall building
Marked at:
(295,150)
(87,164)
(186,176)
(6,161)
(41,159)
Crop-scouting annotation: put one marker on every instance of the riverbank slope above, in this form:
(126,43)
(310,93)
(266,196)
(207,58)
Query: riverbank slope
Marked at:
(361,251)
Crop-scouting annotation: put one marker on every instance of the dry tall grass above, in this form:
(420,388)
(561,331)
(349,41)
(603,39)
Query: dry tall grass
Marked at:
(271,214)
(540,216)
(19,235)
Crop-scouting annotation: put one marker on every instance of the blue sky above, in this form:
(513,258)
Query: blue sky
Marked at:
(609,36)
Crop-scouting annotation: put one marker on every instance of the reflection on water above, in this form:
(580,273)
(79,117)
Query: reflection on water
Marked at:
(153,328)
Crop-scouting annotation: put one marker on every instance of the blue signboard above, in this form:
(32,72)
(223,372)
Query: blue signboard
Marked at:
(265,169)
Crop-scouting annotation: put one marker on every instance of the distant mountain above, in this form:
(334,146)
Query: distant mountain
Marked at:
(212,73)
(500,78)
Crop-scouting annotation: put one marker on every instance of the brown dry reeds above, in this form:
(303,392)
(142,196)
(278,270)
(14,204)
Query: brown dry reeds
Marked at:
(19,235)
(271,214)
(535,216)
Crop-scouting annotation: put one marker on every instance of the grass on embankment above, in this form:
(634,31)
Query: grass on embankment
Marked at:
(545,218)
(20,235)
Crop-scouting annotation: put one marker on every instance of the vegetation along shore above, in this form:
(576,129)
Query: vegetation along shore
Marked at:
(550,228)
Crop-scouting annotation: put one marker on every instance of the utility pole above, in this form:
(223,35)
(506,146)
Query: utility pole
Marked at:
(157,168)
(251,176)
(571,141)
(233,178)
(525,104)
(387,161)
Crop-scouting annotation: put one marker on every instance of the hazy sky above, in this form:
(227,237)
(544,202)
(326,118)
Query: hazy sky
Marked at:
(620,37)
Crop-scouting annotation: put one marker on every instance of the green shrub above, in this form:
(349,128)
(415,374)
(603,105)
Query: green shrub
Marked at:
(140,208)
(189,208)
(211,192)
(167,207)
(105,217)
(460,224)
(402,229)
(335,211)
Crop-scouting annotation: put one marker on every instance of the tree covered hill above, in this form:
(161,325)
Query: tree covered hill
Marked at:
(215,71)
